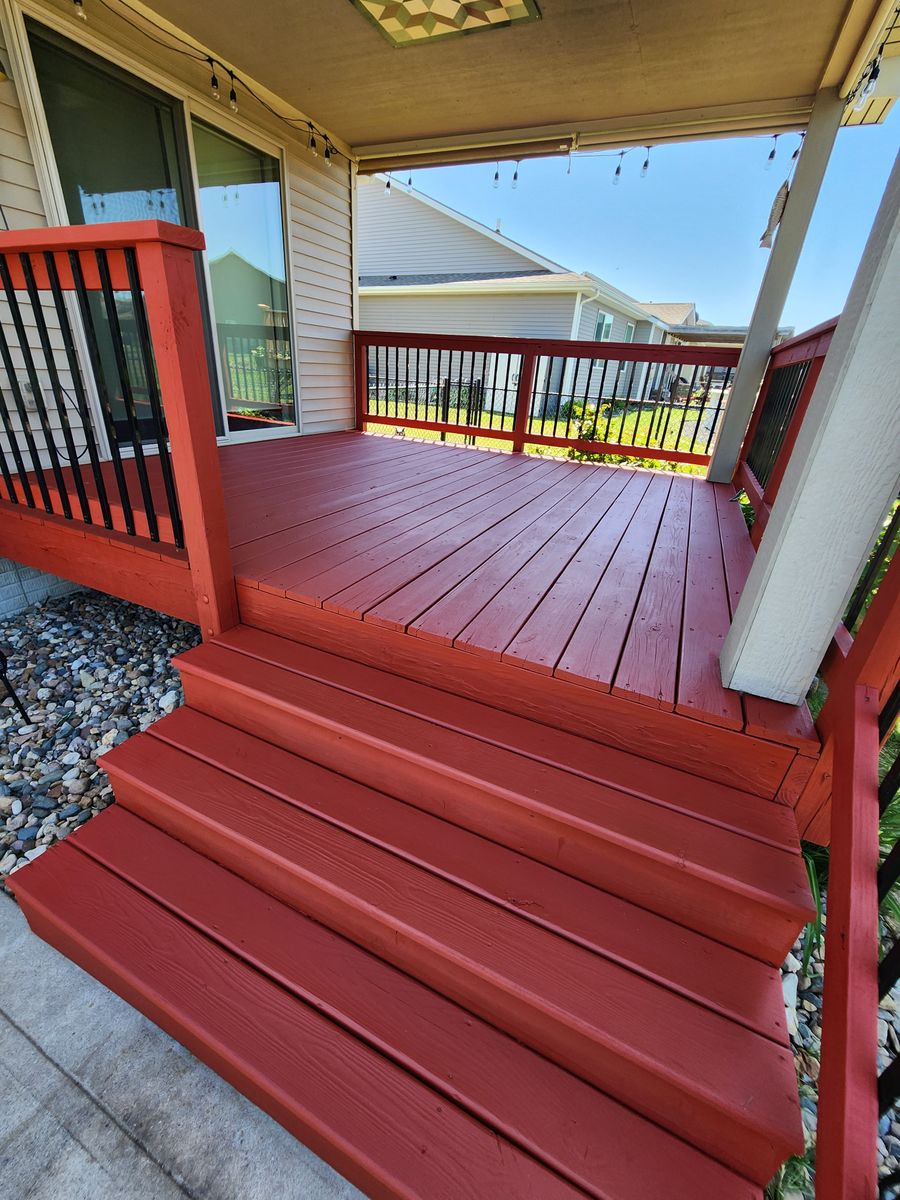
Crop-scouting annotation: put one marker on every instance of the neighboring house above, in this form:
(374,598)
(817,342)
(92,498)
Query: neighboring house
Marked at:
(425,268)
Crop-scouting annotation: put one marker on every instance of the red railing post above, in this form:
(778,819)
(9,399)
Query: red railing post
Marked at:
(169,283)
(846,1163)
(524,392)
(360,378)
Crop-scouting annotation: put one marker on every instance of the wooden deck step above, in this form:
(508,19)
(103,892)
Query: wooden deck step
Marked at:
(402,1090)
(705,1077)
(745,887)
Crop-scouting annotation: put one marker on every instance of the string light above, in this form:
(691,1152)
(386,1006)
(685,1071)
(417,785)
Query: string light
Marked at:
(327,153)
(569,167)
(865,92)
(618,172)
(515,178)
(497,176)
(646,165)
(312,145)
(187,49)
(232,95)
(771,159)
(796,153)
(387,187)
(409,184)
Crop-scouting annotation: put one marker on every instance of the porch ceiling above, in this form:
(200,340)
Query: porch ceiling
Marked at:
(607,71)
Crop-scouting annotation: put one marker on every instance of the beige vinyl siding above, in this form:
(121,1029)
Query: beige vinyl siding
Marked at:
(534,315)
(401,235)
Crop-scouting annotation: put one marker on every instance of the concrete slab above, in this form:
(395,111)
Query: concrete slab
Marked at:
(99,1104)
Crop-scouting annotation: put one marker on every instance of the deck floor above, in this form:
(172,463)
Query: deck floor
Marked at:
(619,579)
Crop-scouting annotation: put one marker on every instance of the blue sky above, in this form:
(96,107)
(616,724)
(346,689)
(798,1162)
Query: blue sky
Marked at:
(690,230)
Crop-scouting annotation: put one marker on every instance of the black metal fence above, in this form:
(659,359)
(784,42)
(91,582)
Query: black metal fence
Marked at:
(778,407)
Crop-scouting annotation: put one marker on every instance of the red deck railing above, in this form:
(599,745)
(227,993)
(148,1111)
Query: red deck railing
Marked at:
(784,397)
(858,717)
(624,398)
(105,416)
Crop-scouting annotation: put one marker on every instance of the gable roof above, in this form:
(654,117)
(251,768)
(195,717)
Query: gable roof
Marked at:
(674,312)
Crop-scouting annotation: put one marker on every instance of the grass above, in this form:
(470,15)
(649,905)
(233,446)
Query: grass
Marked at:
(629,425)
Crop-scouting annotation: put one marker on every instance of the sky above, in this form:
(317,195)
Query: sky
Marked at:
(690,229)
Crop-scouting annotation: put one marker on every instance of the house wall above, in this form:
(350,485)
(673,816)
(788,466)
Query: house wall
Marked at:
(546,315)
(401,235)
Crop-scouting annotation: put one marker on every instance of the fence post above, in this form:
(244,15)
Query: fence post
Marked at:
(169,283)
(360,379)
(524,392)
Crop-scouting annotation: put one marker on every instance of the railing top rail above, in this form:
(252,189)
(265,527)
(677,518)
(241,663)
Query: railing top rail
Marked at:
(112,235)
(808,339)
(704,356)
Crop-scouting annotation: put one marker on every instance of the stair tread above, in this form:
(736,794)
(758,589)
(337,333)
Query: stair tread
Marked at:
(741,811)
(644,1044)
(683,841)
(708,972)
(367,1066)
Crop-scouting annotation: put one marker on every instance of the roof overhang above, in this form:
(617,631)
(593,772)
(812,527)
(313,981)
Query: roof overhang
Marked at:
(587,74)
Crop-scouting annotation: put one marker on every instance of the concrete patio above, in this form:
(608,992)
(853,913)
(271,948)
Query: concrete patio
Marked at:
(99,1104)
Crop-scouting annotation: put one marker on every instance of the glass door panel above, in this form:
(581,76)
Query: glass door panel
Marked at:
(241,218)
(121,153)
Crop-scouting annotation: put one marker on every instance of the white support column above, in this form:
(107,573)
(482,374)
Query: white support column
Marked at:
(824,123)
(839,483)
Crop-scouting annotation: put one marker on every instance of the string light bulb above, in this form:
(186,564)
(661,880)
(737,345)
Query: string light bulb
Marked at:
(326,155)
(232,94)
(515,178)
(409,184)
(213,80)
(569,167)
(387,187)
(79,10)
(497,176)
(646,165)
(617,177)
(865,92)
(799,147)
(312,144)
(771,159)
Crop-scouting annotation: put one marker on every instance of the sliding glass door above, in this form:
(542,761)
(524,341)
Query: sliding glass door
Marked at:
(241,216)
(122,154)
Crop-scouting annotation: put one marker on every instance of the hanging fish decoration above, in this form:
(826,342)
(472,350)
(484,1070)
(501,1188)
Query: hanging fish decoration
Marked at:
(775,216)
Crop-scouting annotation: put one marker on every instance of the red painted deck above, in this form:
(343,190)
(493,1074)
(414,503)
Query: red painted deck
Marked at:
(475,877)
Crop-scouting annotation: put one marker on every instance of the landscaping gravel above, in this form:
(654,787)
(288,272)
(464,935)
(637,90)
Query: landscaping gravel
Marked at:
(90,671)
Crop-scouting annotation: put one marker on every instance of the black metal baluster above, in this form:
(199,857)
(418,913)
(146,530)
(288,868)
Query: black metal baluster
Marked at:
(87,319)
(703,404)
(617,374)
(626,402)
(406,389)
(687,405)
(22,413)
(714,424)
(600,388)
(35,384)
(109,301)
(870,574)
(148,366)
(470,396)
(640,412)
(81,401)
(673,396)
(56,388)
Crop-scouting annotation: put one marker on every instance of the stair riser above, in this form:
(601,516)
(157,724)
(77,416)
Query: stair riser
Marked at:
(707,905)
(647,1087)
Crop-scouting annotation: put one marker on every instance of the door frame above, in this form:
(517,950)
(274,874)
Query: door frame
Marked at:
(13,15)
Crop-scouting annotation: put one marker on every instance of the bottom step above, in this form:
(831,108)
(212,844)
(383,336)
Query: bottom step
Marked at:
(403,1091)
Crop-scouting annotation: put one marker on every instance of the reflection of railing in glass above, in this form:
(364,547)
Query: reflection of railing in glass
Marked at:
(259,382)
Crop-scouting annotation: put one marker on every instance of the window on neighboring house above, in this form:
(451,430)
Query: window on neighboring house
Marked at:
(629,331)
(603,328)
